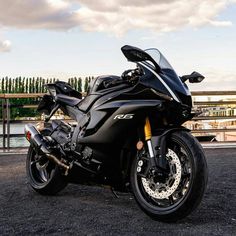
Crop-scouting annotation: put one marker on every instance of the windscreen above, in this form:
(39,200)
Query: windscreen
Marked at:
(165,66)
(159,58)
(167,71)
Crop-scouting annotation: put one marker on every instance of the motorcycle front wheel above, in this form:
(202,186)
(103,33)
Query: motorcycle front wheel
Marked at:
(173,195)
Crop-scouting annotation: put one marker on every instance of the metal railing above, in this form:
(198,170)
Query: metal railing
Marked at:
(7,121)
(6,114)
(223,102)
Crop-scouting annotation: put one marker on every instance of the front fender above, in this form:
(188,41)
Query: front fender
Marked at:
(159,144)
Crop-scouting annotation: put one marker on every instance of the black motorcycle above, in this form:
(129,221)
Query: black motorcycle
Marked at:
(127,134)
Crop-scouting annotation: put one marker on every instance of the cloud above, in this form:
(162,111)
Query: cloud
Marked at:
(36,14)
(120,16)
(221,23)
(5,46)
(113,16)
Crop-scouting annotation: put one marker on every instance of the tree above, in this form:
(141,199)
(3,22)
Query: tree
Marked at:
(43,85)
(79,85)
(10,86)
(33,85)
(75,83)
(37,85)
(23,85)
(86,84)
(30,85)
(19,85)
(6,85)
(13,85)
(3,89)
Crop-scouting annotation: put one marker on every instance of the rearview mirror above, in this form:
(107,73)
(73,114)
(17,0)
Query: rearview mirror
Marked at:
(195,77)
(135,54)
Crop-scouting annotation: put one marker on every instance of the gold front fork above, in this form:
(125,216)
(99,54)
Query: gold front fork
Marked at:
(147,129)
(148,136)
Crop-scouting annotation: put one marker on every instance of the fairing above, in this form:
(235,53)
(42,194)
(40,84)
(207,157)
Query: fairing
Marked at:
(159,74)
(169,75)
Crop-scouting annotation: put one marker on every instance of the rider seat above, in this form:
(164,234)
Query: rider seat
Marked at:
(67,100)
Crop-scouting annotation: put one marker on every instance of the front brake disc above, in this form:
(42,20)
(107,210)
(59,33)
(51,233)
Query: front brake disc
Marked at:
(164,190)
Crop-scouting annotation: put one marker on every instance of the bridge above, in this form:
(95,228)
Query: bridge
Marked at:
(86,210)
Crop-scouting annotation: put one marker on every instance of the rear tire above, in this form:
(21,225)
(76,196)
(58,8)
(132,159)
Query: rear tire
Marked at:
(173,203)
(45,176)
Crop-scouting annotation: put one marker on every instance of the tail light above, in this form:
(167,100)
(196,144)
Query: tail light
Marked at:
(28,135)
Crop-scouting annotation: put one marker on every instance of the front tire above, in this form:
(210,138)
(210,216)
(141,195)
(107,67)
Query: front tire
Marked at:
(177,195)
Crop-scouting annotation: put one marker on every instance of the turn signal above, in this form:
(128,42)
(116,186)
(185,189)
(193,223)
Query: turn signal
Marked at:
(139,145)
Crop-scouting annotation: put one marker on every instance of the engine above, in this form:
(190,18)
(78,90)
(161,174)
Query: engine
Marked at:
(62,133)
(83,156)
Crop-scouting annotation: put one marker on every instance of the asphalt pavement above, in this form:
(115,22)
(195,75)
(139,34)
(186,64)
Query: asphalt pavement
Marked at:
(84,210)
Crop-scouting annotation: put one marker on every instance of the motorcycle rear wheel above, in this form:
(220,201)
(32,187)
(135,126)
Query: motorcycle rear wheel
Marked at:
(176,196)
(43,175)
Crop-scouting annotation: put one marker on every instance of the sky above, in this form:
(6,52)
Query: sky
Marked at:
(67,38)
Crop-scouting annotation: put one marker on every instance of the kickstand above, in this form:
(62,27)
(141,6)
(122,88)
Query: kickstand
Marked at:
(114,192)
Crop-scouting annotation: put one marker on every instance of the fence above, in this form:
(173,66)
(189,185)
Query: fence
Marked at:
(217,111)
(200,104)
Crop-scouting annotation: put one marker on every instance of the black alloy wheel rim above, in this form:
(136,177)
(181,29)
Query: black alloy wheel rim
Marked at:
(184,186)
(41,169)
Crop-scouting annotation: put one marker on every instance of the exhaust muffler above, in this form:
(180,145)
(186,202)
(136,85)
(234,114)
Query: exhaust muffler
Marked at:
(40,145)
(36,139)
